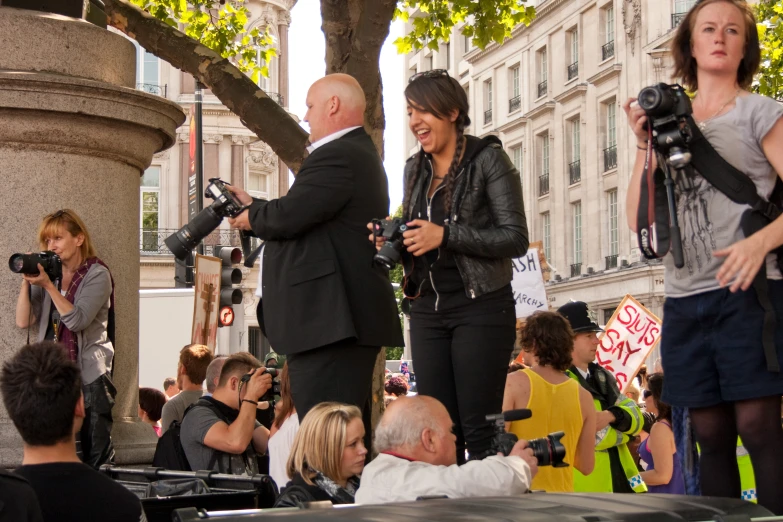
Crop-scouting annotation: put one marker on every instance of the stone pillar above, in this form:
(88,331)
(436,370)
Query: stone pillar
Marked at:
(282,81)
(74,133)
(238,144)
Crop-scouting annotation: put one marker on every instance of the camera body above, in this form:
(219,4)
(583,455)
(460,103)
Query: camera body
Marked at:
(225,205)
(271,392)
(28,264)
(549,451)
(391,230)
(667,107)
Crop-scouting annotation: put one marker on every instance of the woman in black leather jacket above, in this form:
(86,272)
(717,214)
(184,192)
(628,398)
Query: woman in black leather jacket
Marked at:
(463,198)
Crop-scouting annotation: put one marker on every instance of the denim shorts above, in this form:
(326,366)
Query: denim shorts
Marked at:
(711,348)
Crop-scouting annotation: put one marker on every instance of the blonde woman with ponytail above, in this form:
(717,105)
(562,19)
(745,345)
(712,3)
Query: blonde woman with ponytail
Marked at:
(463,202)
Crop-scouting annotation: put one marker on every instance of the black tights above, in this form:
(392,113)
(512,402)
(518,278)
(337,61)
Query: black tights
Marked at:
(757,421)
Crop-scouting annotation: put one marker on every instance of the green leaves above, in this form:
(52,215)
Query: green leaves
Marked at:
(485,21)
(221,27)
(769,81)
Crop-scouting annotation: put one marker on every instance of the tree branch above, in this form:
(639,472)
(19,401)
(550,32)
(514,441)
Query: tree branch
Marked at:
(259,113)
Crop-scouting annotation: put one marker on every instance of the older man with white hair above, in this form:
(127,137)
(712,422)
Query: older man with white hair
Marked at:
(418,458)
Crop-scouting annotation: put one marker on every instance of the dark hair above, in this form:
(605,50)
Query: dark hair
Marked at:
(152,401)
(286,399)
(549,337)
(396,386)
(195,358)
(440,96)
(655,387)
(168,382)
(237,364)
(41,387)
(682,53)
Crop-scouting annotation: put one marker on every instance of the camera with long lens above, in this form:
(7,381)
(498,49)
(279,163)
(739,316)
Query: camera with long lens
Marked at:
(667,107)
(271,392)
(225,205)
(391,230)
(549,451)
(28,264)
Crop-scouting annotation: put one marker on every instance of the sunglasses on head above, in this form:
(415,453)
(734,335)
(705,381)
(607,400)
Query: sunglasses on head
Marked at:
(434,73)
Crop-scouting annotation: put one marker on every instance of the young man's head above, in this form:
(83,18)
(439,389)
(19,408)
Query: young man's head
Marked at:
(585,330)
(548,337)
(213,372)
(236,366)
(193,362)
(170,387)
(42,392)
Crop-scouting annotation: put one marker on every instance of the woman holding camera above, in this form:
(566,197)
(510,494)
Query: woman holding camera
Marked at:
(712,348)
(80,316)
(463,202)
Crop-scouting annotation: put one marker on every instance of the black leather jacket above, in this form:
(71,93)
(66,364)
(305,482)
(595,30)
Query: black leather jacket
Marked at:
(488,226)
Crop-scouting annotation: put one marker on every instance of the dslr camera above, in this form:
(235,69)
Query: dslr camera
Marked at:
(667,108)
(271,392)
(391,230)
(28,264)
(549,451)
(225,205)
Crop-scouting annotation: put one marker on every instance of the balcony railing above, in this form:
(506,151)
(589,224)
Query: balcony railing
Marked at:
(677,18)
(610,158)
(152,241)
(611,261)
(607,50)
(576,269)
(542,89)
(488,117)
(277,97)
(574,172)
(153,88)
(573,70)
(543,184)
(515,103)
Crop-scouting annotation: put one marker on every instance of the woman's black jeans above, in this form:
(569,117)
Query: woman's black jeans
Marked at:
(460,357)
(94,445)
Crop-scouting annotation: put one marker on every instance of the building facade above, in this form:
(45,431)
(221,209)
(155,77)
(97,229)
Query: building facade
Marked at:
(230,152)
(553,94)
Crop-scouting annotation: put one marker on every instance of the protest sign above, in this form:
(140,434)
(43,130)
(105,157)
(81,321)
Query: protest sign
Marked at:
(629,336)
(205,308)
(528,284)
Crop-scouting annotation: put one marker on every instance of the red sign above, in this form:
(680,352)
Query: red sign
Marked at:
(226,316)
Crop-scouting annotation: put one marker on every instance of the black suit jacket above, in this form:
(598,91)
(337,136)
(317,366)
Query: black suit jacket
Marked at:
(320,285)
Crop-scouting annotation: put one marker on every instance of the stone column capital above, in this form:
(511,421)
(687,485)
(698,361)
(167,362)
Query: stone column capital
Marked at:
(213,138)
(240,140)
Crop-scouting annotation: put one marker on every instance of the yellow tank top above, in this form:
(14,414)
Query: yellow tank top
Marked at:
(555,407)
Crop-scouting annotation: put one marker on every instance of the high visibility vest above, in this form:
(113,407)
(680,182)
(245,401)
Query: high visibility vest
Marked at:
(600,480)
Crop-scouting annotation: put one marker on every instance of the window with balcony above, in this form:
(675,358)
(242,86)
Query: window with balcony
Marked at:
(543,73)
(150,208)
(573,68)
(148,73)
(681,8)
(543,173)
(574,165)
(614,241)
(515,101)
(546,237)
(610,151)
(576,213)
(607,50)
(487,102)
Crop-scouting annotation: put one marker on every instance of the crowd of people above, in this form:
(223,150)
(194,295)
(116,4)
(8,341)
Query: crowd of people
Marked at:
(712,426)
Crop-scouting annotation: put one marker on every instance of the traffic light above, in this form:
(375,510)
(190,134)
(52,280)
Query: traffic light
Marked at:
(229,276)
(183,271)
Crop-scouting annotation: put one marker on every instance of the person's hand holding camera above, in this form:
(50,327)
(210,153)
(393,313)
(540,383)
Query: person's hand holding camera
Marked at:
(41,279)
(422,236)
(379,240)
(524,452)
(259,383)
(637,119)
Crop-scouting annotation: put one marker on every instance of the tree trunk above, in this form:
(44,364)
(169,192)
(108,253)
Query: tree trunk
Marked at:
(259,113)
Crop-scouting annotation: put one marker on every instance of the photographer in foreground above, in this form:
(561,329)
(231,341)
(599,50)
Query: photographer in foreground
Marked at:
(463,202)
(557,402)
(714,320)
(80,316)
(418,458)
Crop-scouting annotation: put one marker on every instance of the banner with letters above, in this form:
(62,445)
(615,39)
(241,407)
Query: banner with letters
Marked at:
(628,338)
(528,284)
(207,301)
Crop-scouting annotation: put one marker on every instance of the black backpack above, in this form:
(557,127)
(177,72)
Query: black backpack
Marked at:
(169,453)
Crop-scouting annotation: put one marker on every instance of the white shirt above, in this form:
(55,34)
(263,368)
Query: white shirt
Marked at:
(393,479)
(323,141)
(584,373)
(280,445)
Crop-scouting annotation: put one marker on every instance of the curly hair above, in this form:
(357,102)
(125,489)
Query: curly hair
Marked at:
(682,52)
(548,336)
(396,386)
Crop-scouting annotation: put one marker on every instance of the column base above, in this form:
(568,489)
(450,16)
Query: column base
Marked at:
(134,442)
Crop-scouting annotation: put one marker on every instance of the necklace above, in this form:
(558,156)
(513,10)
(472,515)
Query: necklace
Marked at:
(703,124)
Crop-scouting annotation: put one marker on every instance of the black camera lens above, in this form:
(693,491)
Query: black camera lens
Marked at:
(549,451)
(186,238)
(389,254)
(649,98)
(24,263)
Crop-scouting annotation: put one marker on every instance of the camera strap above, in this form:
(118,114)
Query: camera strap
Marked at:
(652,217)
